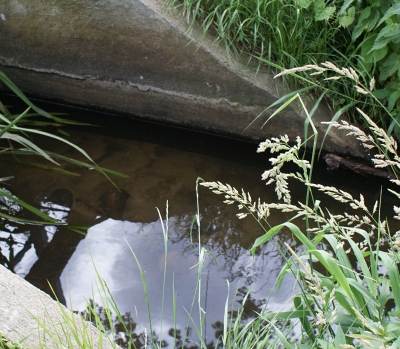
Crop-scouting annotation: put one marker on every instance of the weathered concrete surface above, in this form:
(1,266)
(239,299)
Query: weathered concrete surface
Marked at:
(23,307)
(134,57)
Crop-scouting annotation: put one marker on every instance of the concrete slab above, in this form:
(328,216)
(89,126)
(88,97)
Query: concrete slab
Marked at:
(23,307)
(137,58)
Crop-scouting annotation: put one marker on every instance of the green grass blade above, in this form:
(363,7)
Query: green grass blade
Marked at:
(343,259)
(30,208)
(336,117)
(4,78)
(146,293)
(304,320)
(27,143)
(283,339)
(284,99)
(42,133)
(393,273)
(28,221)
(225,324)
(13,123)
(42,167)
(282,107)
(329,263)
(73,161)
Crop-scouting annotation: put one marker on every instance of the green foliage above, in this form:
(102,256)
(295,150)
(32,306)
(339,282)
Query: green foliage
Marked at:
(15,131)
(347,281)
(4,344)
(347,267)
(364,35)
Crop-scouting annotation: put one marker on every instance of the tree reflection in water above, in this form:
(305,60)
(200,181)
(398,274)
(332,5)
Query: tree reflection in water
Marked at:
(120,327)
(13,236)
(128,334)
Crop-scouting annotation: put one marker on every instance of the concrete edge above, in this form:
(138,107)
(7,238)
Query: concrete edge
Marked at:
(23,306)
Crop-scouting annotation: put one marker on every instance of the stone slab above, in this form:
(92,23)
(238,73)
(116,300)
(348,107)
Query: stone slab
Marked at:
(137,58)
(23,307)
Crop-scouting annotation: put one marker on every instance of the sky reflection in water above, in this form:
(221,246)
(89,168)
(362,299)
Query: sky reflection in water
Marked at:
(108,247)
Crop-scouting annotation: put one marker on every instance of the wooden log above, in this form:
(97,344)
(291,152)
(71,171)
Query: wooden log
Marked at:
(335,161)
(23,308)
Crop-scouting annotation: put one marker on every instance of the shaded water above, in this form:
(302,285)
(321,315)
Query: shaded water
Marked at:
(162,164)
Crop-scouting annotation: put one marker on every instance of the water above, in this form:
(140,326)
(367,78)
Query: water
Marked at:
(163,165)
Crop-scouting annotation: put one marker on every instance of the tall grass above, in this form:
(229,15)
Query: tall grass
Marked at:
(275,30)
(347,269)
(129,331)
(5,344)
(348,275)
(285,34)
(16,131)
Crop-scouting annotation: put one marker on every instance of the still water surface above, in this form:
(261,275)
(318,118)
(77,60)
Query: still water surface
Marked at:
(162,165)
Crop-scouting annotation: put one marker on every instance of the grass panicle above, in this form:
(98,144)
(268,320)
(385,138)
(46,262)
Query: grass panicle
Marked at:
(349,295)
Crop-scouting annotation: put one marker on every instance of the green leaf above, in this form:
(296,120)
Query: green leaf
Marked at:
(310,85)
(340,338)
(15,121)
(63,132)
(325,344)
(344,7)
(283,106)
(364,297)
(73,161)
(303,3)
(390,33)
(340,255)
(394,125)
(348,18)
(323,12)
(328,262)
(369,55)
(360,258)
(336,117)
(383,93)
(345,320)
(343,300)
(367,20)
(384,294)
(265,238)
(390,66)
(393,274)
(285,315)
(394,10)
(283,338)
(393,99)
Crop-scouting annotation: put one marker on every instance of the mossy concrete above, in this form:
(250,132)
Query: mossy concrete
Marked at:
(138,58)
